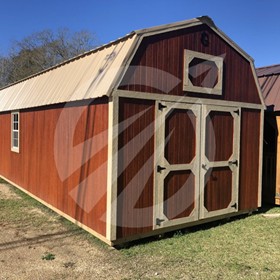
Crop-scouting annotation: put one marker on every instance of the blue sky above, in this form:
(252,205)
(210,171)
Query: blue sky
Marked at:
(253,24)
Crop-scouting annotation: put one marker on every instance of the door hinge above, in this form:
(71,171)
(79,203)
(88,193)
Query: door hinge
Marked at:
(159,221)
(160,168)
(237,112)
(234,205)
(161,106)
(235,162)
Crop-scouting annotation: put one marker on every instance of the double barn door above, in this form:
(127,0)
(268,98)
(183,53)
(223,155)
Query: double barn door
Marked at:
(197,162)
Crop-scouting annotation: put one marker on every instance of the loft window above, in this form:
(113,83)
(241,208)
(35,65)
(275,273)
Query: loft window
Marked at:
(15,132)
(203,73)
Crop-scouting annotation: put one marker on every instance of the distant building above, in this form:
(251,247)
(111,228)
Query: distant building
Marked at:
(269,79)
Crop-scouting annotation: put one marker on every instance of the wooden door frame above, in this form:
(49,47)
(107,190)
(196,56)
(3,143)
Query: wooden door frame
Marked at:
(236,114)
(163,108)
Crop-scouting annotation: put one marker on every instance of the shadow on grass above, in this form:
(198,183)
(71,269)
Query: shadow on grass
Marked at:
(37,240)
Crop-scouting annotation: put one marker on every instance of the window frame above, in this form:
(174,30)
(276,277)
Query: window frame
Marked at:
(187,84)
(14,130)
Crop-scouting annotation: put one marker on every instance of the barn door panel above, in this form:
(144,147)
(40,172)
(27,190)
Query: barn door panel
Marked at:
(177,163)
(219,160)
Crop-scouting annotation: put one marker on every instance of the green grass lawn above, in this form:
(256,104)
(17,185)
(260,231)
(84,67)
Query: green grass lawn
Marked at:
(242,248)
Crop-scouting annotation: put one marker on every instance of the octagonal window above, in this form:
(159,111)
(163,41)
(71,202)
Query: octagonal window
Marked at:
(180,136)
(203,73)
(219,136)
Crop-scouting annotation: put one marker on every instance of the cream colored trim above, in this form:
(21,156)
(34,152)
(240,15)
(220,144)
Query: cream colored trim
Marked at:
(109,170)
(158,188)
(15,149)
(168,27)
(257,84)
(160,142)
(84,227)
(185,99)
(206,164)
(187,84)
(112,201)
(261,158)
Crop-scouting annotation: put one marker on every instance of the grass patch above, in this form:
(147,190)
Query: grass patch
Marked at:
(48,256)
(244,248)
(15,211)
(2,181)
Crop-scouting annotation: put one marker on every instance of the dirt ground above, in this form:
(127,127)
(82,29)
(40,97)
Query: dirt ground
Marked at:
(22,247)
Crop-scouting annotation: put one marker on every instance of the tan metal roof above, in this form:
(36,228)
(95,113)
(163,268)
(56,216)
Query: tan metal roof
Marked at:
(269,79)
(88,76)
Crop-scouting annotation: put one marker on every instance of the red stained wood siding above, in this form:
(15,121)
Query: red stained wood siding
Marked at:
(249,159)
(135,167)
(161,58)
(179,206)
(62,159)
(218,189)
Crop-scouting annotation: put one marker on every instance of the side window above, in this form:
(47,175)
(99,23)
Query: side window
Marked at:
(15,127)
(203,73)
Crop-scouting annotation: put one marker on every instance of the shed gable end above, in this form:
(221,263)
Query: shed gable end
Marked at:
(158,65)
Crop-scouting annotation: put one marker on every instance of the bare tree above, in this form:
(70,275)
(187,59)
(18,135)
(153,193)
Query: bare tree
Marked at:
(42,50)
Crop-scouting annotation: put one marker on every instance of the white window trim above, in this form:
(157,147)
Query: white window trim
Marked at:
(187,84)
(13,148)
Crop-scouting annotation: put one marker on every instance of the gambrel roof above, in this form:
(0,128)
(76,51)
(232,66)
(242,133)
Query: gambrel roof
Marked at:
(90,75)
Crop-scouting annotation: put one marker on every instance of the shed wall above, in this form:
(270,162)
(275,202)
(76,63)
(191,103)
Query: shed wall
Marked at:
(164,55)
(249,159)
(62,158)
(135,167)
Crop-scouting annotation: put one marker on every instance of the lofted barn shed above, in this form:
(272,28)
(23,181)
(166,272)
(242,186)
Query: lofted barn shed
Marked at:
(159,130)
(269,79)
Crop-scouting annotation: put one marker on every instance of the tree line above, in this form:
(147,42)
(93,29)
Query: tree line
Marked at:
(42,50)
